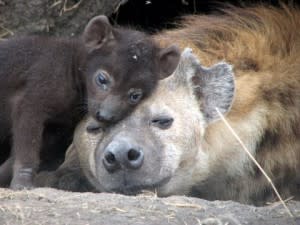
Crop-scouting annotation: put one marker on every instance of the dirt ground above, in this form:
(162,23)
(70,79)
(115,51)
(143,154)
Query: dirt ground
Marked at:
(50,206)
(55,17)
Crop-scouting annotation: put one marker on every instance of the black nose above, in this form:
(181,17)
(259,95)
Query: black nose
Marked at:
(122,156)
(102,116)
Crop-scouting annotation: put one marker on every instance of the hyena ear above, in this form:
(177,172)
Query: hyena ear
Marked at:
(168,59)
(97,32)
(213,87)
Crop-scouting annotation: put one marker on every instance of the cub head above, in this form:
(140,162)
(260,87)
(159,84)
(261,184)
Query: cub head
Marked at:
(160,145)
(123,67)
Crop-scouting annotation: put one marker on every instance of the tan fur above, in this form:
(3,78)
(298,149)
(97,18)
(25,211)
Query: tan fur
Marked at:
(263,45)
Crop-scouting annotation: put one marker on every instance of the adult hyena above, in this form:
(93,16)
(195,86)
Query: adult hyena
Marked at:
(174,143)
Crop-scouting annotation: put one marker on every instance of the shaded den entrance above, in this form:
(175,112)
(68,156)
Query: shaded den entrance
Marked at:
(154,15)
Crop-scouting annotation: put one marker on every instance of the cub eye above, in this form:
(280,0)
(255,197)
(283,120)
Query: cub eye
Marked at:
(135,96)
(163,122)
(101,79)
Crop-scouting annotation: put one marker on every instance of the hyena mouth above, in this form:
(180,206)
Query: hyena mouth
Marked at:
(138,188)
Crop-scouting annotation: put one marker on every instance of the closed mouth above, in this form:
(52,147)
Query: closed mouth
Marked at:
(135,189)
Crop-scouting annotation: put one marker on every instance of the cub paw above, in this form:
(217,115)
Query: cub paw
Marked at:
(22,179)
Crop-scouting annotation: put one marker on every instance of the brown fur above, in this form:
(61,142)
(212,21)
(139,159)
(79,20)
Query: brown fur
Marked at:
(46,82)
(263,45)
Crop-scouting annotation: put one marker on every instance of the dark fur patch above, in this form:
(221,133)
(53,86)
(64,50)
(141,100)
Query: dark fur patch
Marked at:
(285,96)
(247,64)
(269,138)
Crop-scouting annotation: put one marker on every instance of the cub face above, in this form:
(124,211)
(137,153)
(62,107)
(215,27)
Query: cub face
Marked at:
(160,145)
(123,67)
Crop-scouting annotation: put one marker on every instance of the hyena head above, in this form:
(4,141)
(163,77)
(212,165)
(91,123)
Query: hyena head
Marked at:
(160,145)
(123,67)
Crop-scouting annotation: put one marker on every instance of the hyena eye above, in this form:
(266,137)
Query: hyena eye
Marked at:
(135,95)
(94,128)
(101,79)
(162,122)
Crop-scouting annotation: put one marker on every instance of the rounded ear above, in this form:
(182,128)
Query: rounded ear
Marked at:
(214,87)
(97,32)
(168,59)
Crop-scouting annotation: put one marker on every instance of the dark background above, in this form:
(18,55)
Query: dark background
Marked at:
(154,15)
(68,17)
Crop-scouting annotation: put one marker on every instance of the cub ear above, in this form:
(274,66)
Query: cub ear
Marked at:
(214,87)
(168,59)
(97,32)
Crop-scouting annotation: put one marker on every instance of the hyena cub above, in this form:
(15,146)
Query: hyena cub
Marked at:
(45,81)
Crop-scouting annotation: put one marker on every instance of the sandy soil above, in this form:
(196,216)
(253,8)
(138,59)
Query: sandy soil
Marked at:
(50,206)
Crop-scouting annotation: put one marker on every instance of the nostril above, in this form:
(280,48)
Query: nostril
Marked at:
(110,158)
(135,159)
(110,162)
(133,154)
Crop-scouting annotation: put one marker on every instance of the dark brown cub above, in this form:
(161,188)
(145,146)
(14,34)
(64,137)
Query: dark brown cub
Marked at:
(131,65)
(46,81)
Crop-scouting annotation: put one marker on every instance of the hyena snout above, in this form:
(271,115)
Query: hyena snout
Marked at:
(122,155)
